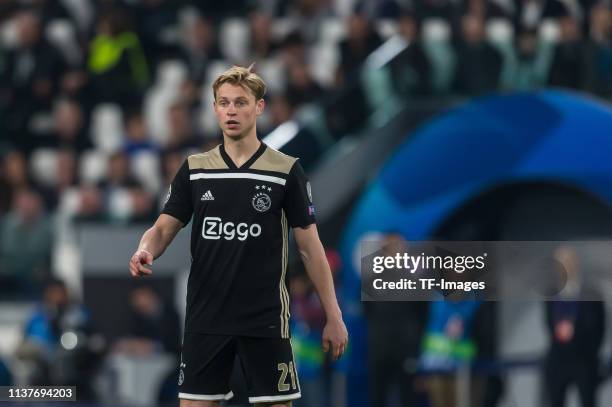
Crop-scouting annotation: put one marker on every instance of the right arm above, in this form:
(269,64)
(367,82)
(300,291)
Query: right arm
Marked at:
(177,212)
(153,243)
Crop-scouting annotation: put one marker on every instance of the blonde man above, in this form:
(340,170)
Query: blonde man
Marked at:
(242,197)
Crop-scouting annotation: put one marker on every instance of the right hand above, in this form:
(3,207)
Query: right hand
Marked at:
(138,262)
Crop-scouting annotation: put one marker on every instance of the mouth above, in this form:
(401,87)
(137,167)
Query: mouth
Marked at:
(232,123)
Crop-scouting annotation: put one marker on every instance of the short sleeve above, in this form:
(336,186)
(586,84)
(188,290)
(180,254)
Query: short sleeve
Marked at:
(178,203)
(298,198)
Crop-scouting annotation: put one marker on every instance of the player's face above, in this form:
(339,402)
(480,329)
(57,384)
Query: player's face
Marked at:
(237,110)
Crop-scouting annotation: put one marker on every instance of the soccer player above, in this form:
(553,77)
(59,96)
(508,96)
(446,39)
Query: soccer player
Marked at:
(243,196)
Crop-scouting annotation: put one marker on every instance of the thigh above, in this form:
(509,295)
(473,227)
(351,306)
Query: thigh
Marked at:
(206,366)
(270,369)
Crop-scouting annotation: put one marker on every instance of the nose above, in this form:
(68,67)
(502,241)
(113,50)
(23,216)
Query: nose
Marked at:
(231,110)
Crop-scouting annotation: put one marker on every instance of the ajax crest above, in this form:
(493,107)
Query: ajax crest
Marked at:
(261,202)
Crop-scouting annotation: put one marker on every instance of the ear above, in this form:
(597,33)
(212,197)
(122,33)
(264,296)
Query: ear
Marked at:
(259,108)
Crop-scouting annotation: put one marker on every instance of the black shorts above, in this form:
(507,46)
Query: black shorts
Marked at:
(267,364)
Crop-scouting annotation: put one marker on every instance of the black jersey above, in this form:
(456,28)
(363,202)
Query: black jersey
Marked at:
(239,239)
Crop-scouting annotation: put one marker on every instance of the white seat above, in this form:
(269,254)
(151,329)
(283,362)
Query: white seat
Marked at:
(436,44)
(386,27)
(435,29)
(93,166)
(70,202)
(60,32)
(9,38)
(171,73)
(170,76)
(281,27)
(43,164)
(233,39)
(327,57)
(273,73)
(82,11)
(333,30)
(548,30)
(120,205)
(145,167)
(500,30)
(107,127)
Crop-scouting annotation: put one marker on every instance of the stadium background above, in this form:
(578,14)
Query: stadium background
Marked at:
(423,118)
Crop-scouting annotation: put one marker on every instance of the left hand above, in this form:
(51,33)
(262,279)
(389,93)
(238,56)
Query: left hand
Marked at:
(335,337)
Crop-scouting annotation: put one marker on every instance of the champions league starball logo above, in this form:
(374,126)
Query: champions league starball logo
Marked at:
(261,202)
(181,374)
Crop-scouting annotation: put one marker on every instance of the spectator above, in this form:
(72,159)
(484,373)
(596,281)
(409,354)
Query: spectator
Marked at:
(90,204)
(154,325)
(410,68)
(361,41)
(181,134)
(58,341)
(70,126)
(478,63)
(301,87)
(199,48)
(25,243)
(14,176)
(118,175)
(308,15)
(293,48)
(154,329)
(33,70)
(387,360)
(576,324)
(116,61)
(262,44)
(280,110)
(532,61)
(155,22)
(124,197)
(66,177)
(138,139)
(447,345)
(567,67)
(598,52)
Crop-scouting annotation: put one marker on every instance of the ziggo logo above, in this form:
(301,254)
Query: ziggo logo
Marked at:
(213,228)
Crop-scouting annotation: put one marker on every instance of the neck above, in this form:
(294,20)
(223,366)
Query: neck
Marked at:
(241,149)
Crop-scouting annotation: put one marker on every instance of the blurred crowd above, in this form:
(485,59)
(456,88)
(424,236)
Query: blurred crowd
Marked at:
(100,101)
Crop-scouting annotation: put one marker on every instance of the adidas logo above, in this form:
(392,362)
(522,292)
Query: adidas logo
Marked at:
(208,196)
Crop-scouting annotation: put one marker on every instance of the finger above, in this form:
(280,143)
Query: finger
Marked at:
(325,345)
(144,270)
(336,352)
(133,269)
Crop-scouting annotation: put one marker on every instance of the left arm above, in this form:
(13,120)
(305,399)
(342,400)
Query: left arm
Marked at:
(313,256)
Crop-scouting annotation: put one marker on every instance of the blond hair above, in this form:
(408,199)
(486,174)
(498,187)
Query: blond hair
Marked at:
(241,76)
